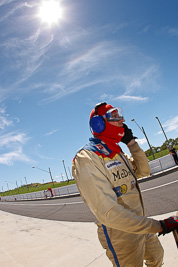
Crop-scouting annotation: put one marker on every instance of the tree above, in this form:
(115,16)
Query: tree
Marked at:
(148,152)
(164,146)
(176,141)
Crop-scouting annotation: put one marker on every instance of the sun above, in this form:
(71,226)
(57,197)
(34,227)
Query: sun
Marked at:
(50,12)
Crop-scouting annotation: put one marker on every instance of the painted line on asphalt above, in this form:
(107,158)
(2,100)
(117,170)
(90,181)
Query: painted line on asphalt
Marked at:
(40,204)
(159,186)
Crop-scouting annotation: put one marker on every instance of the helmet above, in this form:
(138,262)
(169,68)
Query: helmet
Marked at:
(101,112)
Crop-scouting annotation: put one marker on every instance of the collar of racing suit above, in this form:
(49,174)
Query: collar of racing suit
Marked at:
(112,135)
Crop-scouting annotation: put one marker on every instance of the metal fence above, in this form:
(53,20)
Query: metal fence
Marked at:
(156,166)
(56,192)
(162,164)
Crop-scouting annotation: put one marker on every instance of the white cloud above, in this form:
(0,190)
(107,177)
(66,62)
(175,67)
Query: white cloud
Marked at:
(131,98)
(102,65)
(160,132)
(144,78)
(52,132)
(170,30)
(94,56)
(12,138)
(106,97)
(11,142)
(78,59)
(16,155)
(146,28)
(6,2)
(4,121)
(14,9)
(31,51)
(171,125)
(141,141)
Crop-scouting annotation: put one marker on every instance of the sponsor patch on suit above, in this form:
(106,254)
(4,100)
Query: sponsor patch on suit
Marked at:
(120,190)
(113,164)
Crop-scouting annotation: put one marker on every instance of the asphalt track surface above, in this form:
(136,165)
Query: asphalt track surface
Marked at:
(160,195)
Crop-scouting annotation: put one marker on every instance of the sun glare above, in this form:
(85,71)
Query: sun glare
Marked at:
(50,12)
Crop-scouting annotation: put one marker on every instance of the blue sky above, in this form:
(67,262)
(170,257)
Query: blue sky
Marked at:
(52,75)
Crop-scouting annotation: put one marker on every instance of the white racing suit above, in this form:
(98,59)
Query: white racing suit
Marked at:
(107,184)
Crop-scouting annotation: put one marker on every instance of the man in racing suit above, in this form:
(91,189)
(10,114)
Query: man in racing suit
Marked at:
(106,179)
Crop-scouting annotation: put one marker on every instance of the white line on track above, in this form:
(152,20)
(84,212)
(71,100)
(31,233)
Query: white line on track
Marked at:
(43,204)
(159,186)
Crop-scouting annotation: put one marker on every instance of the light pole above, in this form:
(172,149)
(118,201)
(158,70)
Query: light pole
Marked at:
(11,183)
(62,175)
(46,171)
(51,176)
(163,130)
(8,187)
(17,186)
(70,173)
(143,131)
(65,171)
(2,190)
(26,183)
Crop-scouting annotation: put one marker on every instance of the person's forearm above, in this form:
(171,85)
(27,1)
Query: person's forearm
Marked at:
(131,143)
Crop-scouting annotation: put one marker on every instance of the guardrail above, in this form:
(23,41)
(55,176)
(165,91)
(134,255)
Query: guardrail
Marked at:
(55,192)
(156,166)
(162,164)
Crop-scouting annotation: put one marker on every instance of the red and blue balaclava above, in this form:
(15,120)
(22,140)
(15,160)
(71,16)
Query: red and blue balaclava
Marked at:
(111,134)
